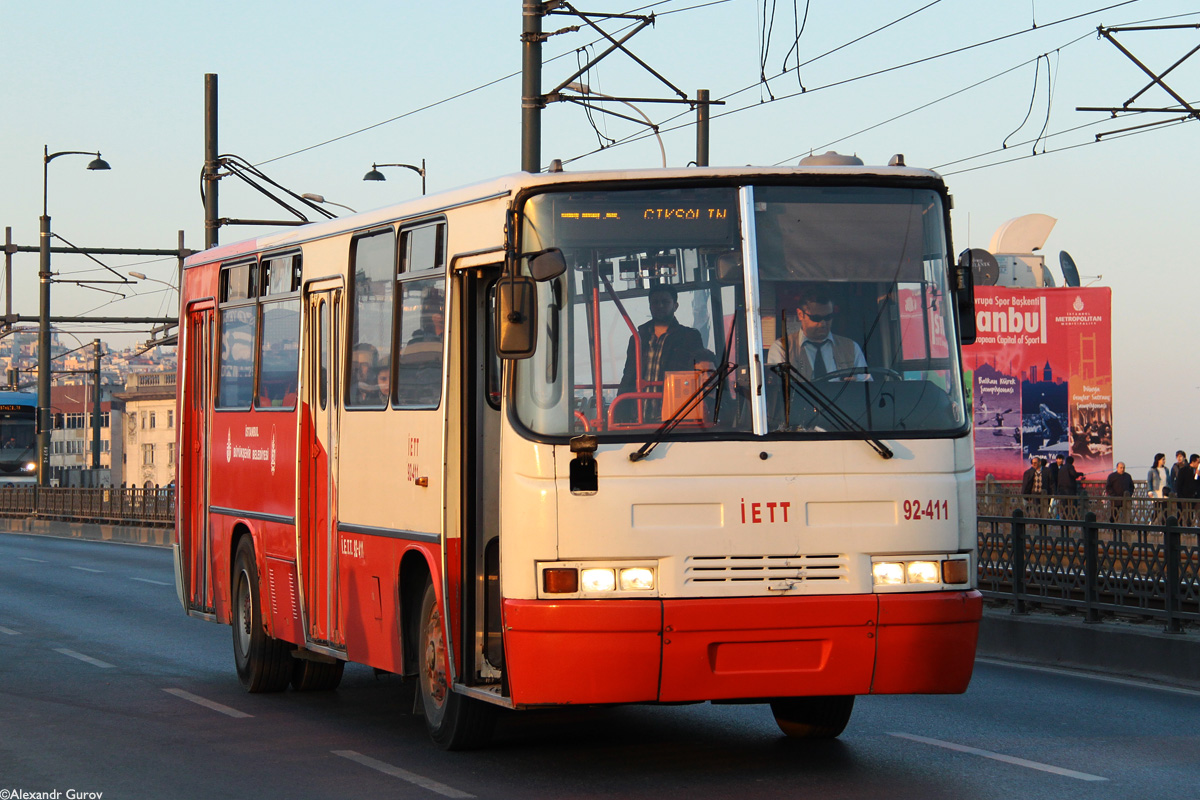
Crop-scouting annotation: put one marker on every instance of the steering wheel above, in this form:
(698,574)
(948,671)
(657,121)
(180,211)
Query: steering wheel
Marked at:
(886,373)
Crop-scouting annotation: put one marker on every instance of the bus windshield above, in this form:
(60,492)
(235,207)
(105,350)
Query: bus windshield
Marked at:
(789,311)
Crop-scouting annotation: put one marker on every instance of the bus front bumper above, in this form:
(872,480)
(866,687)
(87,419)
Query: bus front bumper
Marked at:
(636,651)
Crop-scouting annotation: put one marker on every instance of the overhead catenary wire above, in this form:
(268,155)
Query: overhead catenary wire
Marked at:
(637,136)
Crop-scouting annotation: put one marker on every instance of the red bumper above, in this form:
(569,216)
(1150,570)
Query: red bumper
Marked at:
(631,651)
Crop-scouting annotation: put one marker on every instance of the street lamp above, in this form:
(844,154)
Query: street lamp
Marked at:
(376,175)
(43,438)
(583,88)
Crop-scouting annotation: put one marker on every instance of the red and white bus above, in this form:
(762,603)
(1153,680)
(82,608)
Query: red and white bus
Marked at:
(558,439)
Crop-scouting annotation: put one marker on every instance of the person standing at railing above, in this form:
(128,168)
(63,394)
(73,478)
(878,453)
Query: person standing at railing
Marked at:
(1036,486)
(1180,463)
(1157,478)
(1185,480)
(1118,486)
(1067,486)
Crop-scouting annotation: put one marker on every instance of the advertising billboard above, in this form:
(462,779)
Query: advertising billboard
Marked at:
(1040,374)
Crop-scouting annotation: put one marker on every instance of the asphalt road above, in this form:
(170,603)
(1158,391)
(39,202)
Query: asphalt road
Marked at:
(108,690)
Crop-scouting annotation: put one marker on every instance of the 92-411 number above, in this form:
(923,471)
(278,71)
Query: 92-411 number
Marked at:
(931,509)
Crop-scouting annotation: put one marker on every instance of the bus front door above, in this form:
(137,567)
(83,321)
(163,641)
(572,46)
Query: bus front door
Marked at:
(195,541)
(318,501)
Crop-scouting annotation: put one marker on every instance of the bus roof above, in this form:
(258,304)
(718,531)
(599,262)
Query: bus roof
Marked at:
(510,184)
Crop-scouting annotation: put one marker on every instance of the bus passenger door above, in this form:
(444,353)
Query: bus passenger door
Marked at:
(479,378)
(195,542)
(318,501)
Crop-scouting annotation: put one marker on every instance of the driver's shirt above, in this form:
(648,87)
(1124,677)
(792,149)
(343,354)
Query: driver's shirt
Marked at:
(835,353)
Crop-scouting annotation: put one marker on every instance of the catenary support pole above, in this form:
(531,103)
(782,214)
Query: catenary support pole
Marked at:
(211,165)
(531,85)
(702,127)
(96,406)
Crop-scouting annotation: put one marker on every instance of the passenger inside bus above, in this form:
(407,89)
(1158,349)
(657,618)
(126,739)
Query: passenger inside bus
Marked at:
(664,345)
(419,378)
(812,347)
(364,386)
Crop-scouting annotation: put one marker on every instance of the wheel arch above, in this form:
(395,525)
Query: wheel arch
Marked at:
(415,570)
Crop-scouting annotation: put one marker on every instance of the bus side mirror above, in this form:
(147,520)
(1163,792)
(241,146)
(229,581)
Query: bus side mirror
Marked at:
(964,295)
(546,265)
(516,316)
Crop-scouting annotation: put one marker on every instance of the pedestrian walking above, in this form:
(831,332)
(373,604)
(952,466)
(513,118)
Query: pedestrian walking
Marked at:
(1157,479)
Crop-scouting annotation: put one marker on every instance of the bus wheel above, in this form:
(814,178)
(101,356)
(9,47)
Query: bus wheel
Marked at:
(455,722)
(264,664)
(813,717)
(316,676)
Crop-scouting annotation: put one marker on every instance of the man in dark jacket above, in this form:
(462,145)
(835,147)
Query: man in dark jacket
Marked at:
(1118,486)
(1186,485)
(1036,482)
(666,346)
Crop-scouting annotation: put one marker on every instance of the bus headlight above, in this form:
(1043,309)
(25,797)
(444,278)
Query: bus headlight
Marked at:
(597,580)
(887,573)
(922,572)
(636,579)
(29,467)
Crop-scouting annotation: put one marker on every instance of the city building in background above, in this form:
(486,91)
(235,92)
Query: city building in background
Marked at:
(149,419)
(71,409)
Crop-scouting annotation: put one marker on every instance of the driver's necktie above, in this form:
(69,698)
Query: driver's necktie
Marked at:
(816,355)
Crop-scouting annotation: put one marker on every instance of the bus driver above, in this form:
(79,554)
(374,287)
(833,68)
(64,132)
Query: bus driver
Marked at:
(814,350)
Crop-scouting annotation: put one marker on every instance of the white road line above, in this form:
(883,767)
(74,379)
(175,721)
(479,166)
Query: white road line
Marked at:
(200,701)
(402,774)
(34,560)
(95,662)
(1071,673)
(1020,762)
(147,580)
(87,569)
(9,632)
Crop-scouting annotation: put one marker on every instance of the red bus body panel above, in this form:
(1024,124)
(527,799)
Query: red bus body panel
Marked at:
(630,651)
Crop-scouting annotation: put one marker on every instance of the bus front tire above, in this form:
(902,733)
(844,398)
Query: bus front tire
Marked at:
(813,717)
(454,721)
(264,664)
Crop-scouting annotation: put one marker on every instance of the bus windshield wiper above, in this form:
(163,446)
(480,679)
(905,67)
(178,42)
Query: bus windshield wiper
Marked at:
(714,379)
(794,379)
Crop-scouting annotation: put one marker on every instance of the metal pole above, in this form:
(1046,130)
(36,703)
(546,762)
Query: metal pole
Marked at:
(702,127)
(531,86)
(95,408)
(1091,567)
(179,274)
(1018,561)
(209,179)
(43,381)
(7,276)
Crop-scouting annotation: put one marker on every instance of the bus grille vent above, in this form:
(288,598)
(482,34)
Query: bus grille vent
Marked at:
(750,569)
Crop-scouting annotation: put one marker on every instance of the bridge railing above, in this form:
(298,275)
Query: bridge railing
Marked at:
(1138,557)
(116,505)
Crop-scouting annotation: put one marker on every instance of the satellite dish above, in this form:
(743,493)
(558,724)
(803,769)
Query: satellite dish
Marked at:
(985,270)
(1069,270)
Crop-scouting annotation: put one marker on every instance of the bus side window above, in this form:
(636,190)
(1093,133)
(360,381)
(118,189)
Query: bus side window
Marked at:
(422,325)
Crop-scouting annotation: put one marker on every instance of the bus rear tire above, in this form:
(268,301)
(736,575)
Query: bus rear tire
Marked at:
(813,717)
(264,664)
(454,721)
(316,676)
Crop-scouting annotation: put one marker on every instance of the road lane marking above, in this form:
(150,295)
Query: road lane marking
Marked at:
(1020,762)
(1071,673)
(402,774)
(95,662)
(147,580)
(87,569)
(9,632)
(34,560)
(201,701)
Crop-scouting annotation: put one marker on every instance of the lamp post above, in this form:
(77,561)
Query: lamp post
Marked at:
(43,438)
(376,175)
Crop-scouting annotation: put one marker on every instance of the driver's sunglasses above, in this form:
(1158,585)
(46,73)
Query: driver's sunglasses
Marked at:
(819,318)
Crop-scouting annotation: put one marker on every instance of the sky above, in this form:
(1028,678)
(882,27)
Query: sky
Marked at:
(314,92)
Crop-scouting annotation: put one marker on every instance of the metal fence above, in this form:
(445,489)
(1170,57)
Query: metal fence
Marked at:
(116,505)
(1133,556)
